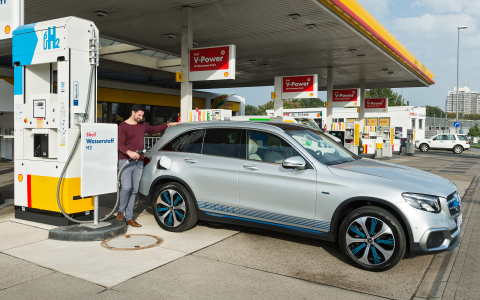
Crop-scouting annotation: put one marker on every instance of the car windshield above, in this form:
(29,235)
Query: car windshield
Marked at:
(309,123)
(320,146)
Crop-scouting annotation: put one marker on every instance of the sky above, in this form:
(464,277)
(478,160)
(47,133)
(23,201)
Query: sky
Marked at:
(428,29)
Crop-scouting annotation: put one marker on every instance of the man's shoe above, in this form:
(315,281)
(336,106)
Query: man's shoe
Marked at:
(133,223)
(120,216)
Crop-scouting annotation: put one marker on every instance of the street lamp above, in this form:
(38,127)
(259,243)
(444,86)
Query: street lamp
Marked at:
(458,61)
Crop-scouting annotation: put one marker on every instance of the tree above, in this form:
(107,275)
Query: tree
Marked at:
(251,110)
(474,131)
(310,102)
(394,99)
(434,111)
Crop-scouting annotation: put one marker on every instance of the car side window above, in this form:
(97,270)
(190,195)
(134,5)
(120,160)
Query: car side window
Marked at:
(450,137)
(190,142)
(267,147)
(221,142)
(462,137)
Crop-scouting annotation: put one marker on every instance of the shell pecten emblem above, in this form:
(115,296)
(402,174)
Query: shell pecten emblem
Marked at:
(7,29)
(311,94)
(225,74)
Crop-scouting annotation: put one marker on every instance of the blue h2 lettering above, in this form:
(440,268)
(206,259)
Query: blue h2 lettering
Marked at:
(50,40)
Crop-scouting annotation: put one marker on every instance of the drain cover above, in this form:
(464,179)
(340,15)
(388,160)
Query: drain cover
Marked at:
(132,242)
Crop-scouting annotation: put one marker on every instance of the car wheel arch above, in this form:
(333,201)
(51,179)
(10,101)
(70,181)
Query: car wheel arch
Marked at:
(356,202)
(168,179)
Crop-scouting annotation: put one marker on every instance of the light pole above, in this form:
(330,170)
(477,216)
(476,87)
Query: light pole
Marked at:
(458,68)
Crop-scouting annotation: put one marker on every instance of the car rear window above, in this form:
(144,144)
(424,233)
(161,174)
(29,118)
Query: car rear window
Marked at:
(462,137)
(220,142)
(190,141)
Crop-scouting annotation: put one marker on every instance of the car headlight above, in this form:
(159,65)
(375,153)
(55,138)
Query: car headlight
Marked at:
(423,202)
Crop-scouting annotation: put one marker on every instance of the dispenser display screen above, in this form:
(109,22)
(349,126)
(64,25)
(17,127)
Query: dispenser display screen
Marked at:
(39,108)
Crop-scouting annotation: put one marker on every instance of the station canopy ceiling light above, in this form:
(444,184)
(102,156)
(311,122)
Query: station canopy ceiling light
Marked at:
(310,26)
(170,36)
(195,43)
(352,51)
(294,16)
(100,13)
(390,73)
(266,65)
(361,56)
(384,70)
(252,61)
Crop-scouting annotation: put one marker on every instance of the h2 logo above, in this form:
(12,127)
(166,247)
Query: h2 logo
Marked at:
(50,40)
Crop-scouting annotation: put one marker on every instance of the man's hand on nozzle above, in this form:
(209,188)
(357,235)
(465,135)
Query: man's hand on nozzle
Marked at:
(172,124)
(133,155)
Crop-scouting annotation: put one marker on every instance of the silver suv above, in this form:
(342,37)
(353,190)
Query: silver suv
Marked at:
(294,179)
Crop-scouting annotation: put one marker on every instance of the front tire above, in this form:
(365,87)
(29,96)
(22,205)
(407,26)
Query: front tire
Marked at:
(424,148)
(372,239)
(458,149)
(173,207)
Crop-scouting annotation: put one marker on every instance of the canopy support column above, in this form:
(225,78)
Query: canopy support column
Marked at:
(187,44)
(361,115)
(328,121)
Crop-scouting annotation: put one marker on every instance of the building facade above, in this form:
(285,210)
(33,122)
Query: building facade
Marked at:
(468,101)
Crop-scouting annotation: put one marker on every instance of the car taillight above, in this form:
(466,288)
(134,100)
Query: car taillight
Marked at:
(146,160)
(467,142)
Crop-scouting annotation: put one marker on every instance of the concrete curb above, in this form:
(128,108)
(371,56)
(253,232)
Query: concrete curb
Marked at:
(79,233)
(435,279)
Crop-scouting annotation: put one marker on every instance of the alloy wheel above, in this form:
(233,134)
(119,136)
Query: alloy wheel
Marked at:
(457,149)
(171,208)
(370,241)
(424,148)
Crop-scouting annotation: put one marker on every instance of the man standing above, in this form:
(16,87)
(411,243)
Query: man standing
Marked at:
(131,135)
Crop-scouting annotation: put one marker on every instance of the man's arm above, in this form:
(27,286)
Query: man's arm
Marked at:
(153,130)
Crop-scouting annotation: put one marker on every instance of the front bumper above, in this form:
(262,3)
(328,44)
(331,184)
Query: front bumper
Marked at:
(451,241)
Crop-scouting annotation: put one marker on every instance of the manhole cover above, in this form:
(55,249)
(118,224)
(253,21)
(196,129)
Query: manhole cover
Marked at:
(132,242)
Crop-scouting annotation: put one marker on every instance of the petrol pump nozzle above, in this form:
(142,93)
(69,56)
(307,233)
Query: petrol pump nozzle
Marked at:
(139,152)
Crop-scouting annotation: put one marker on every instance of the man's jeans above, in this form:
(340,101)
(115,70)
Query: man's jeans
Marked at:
(130,181)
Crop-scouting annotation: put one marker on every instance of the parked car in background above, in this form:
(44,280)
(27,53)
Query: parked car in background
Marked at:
(297,180)
(445,141)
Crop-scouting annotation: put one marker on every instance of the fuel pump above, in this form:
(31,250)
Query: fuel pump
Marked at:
(352,138)
(386,141)
(410,142)
(55,71)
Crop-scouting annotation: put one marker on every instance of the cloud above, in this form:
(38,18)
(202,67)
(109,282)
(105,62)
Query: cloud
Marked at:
(471,7)
(435,27)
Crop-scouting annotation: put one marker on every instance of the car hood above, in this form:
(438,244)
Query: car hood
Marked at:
(400,177)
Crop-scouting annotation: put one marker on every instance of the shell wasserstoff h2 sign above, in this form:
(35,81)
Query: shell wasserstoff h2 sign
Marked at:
(212,63)
(294,87)
(346,98)
(376,105)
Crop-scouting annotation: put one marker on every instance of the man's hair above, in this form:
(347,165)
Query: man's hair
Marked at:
(137,107)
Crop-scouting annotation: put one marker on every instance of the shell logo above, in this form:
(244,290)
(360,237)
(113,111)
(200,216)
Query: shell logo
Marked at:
(311,94)
(20,177)
(318,115)
(383,109)
(355,103)
(225,74)
(7,29)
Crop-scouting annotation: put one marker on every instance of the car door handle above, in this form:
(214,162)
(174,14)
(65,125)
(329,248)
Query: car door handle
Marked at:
(250,167)
(190,161)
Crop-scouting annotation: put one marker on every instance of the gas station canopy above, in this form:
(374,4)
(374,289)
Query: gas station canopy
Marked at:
(272,38)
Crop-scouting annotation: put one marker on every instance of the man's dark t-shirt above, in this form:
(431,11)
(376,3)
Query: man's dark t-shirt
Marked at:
(131,137)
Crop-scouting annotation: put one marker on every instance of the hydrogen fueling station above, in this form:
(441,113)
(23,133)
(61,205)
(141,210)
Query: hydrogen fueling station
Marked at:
(78,68)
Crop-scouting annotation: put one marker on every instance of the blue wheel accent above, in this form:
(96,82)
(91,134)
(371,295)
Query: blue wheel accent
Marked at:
(355,250)
(162,209)
(356,231)
(375,256)
(166,197)
(178,199)
(386,242)
(179,214)
(372,227)
(169,220)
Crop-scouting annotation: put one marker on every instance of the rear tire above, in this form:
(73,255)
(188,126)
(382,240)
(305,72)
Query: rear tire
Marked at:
(458,149)
(173,207)
(372,239)
(424,148)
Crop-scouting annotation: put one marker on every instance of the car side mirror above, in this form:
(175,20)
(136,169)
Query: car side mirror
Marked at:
(295,162)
